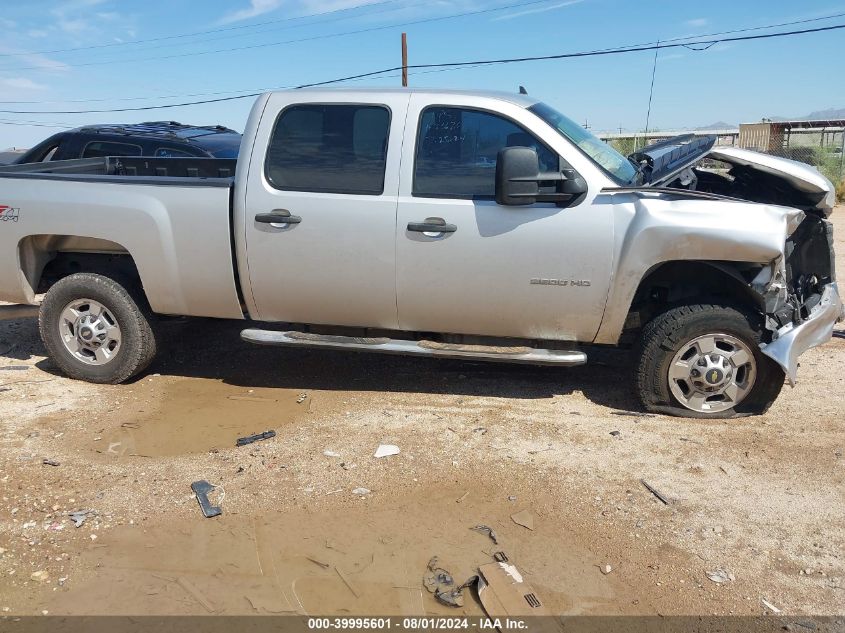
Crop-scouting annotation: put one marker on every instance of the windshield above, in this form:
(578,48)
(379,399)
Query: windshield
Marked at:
(603,154)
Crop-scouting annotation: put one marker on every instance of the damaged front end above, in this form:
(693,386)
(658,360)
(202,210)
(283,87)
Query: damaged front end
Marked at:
(798,290)
(801,297)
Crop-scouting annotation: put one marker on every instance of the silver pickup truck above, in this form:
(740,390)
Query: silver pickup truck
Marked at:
(481,226)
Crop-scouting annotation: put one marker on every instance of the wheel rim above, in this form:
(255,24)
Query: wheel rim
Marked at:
(90,332)
(712,373)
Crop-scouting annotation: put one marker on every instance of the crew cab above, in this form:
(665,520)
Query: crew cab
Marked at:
(160,139)
(481,226)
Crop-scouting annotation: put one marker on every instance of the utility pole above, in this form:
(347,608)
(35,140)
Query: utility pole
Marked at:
(404,60)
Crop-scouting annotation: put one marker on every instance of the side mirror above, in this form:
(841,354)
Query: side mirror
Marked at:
(518,180)
(517,169)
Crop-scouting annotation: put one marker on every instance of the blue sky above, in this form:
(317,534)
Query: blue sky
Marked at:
(732,82)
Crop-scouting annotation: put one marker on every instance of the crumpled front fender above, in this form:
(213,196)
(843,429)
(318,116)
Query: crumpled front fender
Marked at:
(793,340)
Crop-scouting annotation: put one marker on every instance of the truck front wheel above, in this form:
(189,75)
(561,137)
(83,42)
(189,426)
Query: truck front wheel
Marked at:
(704,361)
(95,330)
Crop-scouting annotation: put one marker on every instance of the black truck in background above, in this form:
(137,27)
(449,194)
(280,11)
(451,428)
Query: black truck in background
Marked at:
(157,139)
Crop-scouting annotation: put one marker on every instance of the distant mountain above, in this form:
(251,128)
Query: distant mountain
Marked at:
(830,113)
(718,125)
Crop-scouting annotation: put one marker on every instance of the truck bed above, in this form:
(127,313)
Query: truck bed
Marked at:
(171,215)
(219,171)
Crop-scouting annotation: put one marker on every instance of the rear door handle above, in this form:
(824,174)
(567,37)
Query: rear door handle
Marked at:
(278,216)
(432,225)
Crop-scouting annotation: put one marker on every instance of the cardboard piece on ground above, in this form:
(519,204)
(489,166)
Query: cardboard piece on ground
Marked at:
(504,593)
(524,518)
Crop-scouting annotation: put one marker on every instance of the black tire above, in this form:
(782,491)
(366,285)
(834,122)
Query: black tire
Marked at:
(129,308)
(667,333)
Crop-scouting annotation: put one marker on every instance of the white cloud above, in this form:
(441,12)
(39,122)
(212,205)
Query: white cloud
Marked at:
(36,33)
(697,22)
(517,14)
(21,83)
(256,8)
(41,62)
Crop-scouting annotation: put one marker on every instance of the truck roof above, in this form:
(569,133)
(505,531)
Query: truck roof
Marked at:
(523,100)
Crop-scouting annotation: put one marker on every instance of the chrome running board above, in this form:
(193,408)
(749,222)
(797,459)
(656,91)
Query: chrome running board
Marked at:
(523,355)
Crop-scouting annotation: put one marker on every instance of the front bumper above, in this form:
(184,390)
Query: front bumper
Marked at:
(793,340)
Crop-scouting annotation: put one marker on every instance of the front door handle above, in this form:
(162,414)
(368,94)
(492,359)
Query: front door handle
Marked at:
(432,225)
(278,216)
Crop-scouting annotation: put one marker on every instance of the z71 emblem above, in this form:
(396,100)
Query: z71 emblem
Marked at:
(560,282)
(9,214)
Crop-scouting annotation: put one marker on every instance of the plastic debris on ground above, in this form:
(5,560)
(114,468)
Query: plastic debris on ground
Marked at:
(266,435)
(440,582)
(720,576)
(484,529)
(386,450)
(201,489)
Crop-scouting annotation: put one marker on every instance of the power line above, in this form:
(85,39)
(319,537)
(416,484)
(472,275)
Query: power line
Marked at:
(270,44)
(251,91)
(455,65)
(209,32)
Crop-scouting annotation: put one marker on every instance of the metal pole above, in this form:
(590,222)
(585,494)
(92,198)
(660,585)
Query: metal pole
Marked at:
(404,60)
(842,157)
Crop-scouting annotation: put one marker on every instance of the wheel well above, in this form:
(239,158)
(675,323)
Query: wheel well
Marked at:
(672,283)
(45,259)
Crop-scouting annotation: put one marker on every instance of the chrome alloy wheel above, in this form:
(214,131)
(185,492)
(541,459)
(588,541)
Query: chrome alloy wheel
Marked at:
(90,331)
(712,373)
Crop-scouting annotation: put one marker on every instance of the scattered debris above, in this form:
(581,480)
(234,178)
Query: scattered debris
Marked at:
(720,576)
(201,489)
(655,492)
(524,518)
(512,498)
(616,433)
(462,497)
(503,591)
(770,606)
(195,593)
(302,397)
(49,462)
(481,429)
(252,399)
(78,517)
(14,368)
(346,466)
(633,414)
(361,491)
(386,450)
(540,450)
(347,582)
(483,529)
(317,562)
(329,453)
(40,576)
(440,582)
(266,435)
(605,569)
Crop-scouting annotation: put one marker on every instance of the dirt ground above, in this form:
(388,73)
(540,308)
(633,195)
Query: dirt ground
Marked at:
(762,498)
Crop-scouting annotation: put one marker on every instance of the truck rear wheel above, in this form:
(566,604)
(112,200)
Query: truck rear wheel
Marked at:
(95,330)
(704,361)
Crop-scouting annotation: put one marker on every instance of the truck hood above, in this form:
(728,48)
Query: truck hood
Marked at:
(807,183)
(760,177)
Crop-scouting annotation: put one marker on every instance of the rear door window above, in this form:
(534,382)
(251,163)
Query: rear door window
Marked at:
(329,148)
(96,149)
